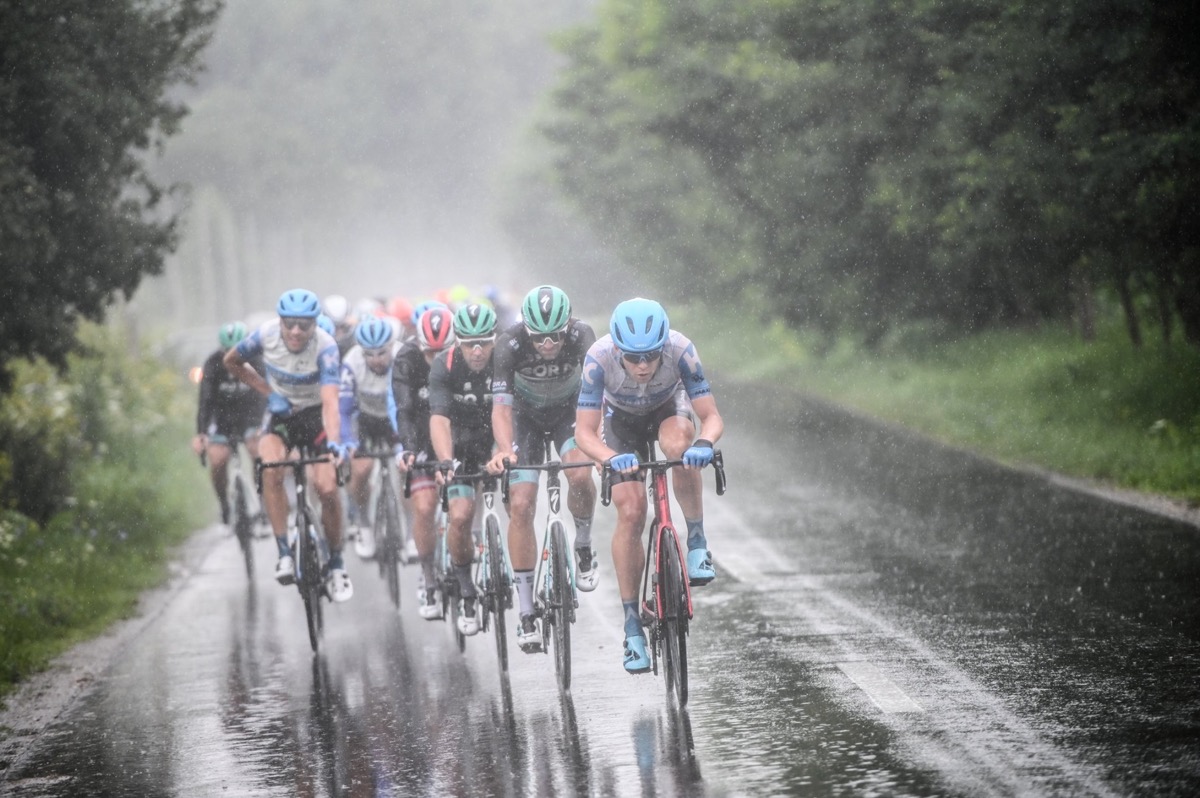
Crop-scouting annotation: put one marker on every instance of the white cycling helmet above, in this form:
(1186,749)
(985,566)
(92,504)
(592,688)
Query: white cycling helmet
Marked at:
(337,308)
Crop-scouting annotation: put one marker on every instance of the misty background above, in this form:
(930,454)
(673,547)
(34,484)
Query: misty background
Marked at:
(367,153)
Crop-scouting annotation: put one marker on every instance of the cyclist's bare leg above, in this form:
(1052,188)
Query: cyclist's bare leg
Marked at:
(359,488)
(581,490)
(218,461)
(251,441)
(271,449)
(674,437)
(424,509)
(323,477)
(461,542)
(522,504)
(629,558)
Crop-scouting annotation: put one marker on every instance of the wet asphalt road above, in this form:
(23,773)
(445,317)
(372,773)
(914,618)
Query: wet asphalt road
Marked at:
(890,618)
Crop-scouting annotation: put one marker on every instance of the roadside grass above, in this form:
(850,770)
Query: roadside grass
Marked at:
(135,494)
(1102,411)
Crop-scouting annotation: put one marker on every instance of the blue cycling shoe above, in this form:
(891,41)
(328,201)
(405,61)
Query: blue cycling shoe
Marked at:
(700,567)
(636,659)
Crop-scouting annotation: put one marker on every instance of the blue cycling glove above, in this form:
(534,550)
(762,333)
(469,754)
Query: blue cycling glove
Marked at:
(699,454)
(622,462)
(278,404)
(338,450)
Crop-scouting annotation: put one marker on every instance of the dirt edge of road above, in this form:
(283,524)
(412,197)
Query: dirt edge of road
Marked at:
(42,698)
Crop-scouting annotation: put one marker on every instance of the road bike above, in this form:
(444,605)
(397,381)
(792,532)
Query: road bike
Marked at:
(556,599)
(493,571)
(244,511)
(666,594)
(310,551)
(445,580)
(387,521)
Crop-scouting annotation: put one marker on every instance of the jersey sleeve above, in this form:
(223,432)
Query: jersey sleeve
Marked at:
(591,385)
(691,371)
(441,397)
(502,368)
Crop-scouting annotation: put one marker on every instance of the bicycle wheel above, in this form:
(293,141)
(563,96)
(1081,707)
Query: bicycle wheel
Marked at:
(561,600)
(674,624)
(389,551)
(243,525)
(497,589)
(310,579)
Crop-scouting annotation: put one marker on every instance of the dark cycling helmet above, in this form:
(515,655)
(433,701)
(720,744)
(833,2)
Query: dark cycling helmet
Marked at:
(298,304)
(639,325)
(546,309)
(436,329)
(230,334)
(373,333)
(474,320)
(428,304)
(326,324)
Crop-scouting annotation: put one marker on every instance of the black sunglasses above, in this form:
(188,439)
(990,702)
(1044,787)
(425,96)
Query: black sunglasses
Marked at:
(304,325)
(641,357)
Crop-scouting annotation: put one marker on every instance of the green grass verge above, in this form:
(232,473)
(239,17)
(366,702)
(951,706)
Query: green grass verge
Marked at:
(1102,411)
(135,496)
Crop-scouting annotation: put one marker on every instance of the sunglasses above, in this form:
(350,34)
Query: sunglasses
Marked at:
(544,339)
(641,357)
(304,325)
(377,353)
(468,343)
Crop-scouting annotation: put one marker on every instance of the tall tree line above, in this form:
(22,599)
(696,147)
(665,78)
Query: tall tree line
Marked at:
(852,166)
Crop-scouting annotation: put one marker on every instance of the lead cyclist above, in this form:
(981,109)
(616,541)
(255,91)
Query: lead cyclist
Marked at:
(647,382)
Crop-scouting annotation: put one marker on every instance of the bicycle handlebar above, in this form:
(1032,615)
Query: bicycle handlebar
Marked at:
(606,474)
(297,467)
(552,466)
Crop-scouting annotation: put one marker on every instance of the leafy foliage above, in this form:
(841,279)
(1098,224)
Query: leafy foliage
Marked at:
(851,166)
(83,92)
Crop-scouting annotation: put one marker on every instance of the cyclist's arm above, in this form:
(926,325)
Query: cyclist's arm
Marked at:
(502,424)
(587,435)
(236,364)
(348,404)
(711,423)
(331,415)
(204,412)
(441,436)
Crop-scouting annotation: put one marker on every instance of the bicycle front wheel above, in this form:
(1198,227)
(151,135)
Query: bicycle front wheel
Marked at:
(243,525)
(497,589)
(674,623)
(561,601)
(310,580)
(389,510)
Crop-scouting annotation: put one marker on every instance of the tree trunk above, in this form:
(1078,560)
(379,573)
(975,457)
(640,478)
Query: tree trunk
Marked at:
(1084,300)
(1132,324)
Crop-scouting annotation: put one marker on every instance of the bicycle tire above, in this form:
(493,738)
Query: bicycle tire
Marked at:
(390,553)
(497,589)
(243,525)
(310,579)
(560,604)
(674,621)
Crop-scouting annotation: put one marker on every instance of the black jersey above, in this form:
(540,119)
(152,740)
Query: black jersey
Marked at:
(531,383)
(227,404)
(410,393)
(462,395)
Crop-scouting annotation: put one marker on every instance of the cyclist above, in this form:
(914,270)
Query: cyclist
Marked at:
(363,399)
(401,309)
(647,381)
(229,411)
(409,399)
(337,309)
(460,428)
(301,387)
(538,362)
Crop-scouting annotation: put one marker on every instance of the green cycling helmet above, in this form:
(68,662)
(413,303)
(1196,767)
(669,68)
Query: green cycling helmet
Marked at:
(474,321)
(231,334)
(546,309)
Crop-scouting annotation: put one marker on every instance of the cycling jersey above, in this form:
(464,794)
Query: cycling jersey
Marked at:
(363,394)
(228,406)
(297,376)
(531,383)
(409,398)
(605,380)
(465,397)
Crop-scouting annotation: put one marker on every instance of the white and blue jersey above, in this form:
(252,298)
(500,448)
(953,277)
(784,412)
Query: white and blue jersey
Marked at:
(606,381)
(297,376)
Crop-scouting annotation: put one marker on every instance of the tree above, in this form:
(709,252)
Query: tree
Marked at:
(84,97)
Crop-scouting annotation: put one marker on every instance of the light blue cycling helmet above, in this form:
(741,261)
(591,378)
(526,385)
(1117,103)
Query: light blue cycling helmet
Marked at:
(326,324)
(639,325)
(428,304)
(373,333)
(298,304)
